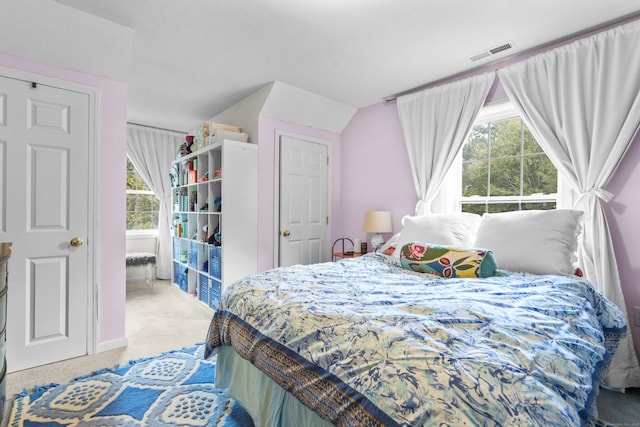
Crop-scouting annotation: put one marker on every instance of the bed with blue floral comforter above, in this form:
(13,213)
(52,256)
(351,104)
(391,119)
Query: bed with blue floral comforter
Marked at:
(364,342)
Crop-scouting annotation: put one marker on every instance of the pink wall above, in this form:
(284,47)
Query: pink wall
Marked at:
(111,152)
(374,137)
(622,213)
(375,170)
(266,182)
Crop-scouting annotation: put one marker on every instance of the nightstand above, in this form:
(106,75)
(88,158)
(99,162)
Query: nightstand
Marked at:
(340,255)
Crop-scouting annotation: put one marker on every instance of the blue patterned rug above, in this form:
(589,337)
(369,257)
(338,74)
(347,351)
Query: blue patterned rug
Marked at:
(173,389)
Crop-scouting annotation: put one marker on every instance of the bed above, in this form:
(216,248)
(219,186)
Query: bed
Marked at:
(373,341)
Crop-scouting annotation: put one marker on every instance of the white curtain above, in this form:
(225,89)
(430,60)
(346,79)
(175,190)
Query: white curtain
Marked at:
(151,152)
(435,123)
(582,104)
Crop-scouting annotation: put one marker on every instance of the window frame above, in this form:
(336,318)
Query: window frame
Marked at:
(491,113)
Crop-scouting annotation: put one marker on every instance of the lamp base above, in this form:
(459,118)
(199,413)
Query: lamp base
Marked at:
(376,242)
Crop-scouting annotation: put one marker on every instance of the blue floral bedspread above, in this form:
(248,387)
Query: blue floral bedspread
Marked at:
(364,342)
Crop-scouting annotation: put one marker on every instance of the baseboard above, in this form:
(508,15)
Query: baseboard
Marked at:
(113,344)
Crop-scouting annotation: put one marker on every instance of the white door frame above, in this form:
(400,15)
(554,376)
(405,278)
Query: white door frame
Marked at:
(276,207)
(92,93)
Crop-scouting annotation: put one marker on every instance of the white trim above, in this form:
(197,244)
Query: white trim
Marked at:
(142,234)
(495,111)
(111,345)
(276,196)
(92,223)
(92,231)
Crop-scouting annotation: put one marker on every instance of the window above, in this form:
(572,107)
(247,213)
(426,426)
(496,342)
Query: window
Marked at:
(142,204)
(503,167)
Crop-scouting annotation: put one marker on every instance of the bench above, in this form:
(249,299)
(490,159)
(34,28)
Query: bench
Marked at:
(143,264)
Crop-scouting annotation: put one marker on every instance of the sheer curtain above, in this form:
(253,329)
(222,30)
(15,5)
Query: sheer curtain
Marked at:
(151,152)
(582,103)
(435,123)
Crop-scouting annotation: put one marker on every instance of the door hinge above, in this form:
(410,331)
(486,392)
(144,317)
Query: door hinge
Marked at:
(327,160)
(327,220)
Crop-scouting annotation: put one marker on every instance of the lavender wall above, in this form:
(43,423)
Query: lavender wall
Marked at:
(375,170)
(111,152)
(622,213)
(375,176)
(266,182)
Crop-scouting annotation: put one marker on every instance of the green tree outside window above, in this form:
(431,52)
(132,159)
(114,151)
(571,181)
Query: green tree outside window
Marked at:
(142,205)
(504,169)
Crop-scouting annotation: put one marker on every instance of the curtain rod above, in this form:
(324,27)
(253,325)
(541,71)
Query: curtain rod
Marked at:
(580,34)
(157,128)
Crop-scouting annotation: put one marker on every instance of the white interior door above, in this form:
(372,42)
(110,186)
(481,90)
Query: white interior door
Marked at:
(303,210)
(44,146)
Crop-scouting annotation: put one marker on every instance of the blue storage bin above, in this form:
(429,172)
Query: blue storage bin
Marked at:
(192,257)
(184,280)
(203,287)
(176,272)
(180,276)
(215,266)
(176,248)
(214,293)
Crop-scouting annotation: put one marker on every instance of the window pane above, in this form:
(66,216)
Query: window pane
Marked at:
(147,221)
(141,219)
(505,177)
(540,176)
(539,206)
(477,146)
(505,138)
(503,207)
(474,178)
(477,208)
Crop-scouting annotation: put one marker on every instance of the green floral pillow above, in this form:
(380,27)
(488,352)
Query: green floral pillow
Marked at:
(448,262)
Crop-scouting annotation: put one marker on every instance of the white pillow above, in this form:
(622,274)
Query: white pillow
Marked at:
(537,241)
(450,229)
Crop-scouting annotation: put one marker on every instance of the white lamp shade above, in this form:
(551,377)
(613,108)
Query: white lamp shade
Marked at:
(377,222)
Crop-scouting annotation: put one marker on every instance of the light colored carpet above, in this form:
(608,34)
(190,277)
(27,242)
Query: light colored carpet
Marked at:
(159,319)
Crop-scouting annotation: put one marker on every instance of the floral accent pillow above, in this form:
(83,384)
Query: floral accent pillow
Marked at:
(448,262)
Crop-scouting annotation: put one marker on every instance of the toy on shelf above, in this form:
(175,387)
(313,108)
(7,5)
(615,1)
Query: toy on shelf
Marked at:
(193,200)
(205,206)
(205,232)
(185,148)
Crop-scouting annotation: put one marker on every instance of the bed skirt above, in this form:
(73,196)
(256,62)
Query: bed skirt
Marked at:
(268,404)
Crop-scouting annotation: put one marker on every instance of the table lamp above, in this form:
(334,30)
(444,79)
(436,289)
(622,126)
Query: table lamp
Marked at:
(377,222)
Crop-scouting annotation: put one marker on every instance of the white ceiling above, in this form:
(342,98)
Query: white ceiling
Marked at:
(190,59)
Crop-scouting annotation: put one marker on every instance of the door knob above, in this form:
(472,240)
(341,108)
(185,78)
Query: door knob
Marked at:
(76,242)
(286,233)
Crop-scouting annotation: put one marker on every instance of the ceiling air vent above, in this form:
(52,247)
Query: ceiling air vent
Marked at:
(500,48)
(492,51)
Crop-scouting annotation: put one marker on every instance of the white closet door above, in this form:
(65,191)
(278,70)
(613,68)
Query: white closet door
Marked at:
(44,146)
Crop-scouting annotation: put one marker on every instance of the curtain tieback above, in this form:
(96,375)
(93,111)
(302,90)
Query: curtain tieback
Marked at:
(598,192)
(423,207)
